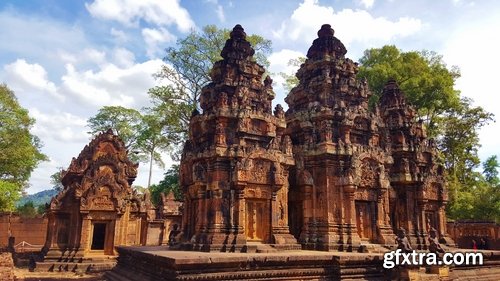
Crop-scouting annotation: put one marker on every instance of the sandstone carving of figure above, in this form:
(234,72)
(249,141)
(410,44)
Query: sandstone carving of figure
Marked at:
(172,237)
(287,145)
(220,134)
(402,241)
(434,246)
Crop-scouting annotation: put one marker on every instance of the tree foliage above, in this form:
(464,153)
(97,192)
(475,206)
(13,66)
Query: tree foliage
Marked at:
(56,180)
(19,149)
(125,122)
(169,183)
(141,133)
(187,70)
(292,80)
(423,76)
(459,139)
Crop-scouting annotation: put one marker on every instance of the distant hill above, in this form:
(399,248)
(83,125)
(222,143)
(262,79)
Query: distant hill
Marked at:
(38,198)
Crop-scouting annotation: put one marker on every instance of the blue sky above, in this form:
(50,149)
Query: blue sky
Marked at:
(66,59)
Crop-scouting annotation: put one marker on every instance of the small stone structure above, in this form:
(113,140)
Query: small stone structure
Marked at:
(97,208)
(234,167)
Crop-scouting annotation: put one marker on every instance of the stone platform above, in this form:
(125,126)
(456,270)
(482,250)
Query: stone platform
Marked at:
(159,263)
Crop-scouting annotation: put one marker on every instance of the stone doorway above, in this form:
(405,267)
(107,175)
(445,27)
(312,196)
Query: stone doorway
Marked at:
(255,220)
(101,240)
(364,220)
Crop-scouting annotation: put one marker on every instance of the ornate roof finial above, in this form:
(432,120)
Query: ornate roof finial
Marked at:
(237,47)
(326,44)
(326,31)
(238,32)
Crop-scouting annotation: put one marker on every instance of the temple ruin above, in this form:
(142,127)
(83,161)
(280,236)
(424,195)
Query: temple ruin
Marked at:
(361,173)
(356,174)
(234,167)
(97,209)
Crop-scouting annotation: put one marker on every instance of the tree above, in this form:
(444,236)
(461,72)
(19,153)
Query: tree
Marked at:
(187,71)
(169,183)
(290,79)
(27,210)
(142,134)
(55,180)
(19,149)
(150,141)
(459,139)
(423,76)
(490,170)
(125,122)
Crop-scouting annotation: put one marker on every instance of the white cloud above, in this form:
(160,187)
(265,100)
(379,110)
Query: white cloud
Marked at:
(60,126)
(119,35)
(123,57)
(130,12)
(111,84)
(25,77)
(220,13)
(153,37)
(279,63)
(367,3)
(349,25)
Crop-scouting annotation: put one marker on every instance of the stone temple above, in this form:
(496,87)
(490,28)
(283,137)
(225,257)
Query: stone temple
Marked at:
(332,174)
(331,171)
(234,168)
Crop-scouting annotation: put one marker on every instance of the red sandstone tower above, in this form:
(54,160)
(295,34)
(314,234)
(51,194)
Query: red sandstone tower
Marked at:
(339,187)
(418,192)
(234,167)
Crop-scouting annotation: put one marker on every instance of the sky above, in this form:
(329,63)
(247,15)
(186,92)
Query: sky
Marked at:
(66,59)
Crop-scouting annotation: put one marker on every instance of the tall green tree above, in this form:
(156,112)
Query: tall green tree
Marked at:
(151,141)
(490,170)
(142,134)
(187,68)
(20,151)
(125,122)
(56,180)
(459,140)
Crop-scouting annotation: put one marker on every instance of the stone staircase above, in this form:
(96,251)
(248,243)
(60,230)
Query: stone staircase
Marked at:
(68,263)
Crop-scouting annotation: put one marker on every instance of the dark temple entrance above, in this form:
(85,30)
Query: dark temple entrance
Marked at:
(98,236)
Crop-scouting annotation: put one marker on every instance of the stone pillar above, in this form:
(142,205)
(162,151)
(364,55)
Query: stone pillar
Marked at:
(240,202)
(307,209)
(85,234)
(353,240)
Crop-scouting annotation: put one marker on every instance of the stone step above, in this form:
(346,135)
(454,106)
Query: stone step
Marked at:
(372,248)
(264,248)
(90,267)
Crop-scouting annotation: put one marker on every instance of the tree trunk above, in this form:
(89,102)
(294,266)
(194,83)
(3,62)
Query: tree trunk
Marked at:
(150,167)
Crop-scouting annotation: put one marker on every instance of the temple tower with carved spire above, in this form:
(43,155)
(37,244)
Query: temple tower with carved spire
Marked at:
(234,167)
(418,188)
(338,193)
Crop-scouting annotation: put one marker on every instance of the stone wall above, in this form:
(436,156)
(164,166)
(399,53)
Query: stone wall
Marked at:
(30,230)
(463,232)
(6,267)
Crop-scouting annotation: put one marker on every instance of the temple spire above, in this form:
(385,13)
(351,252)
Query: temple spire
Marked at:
(326,44)
(237,47)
